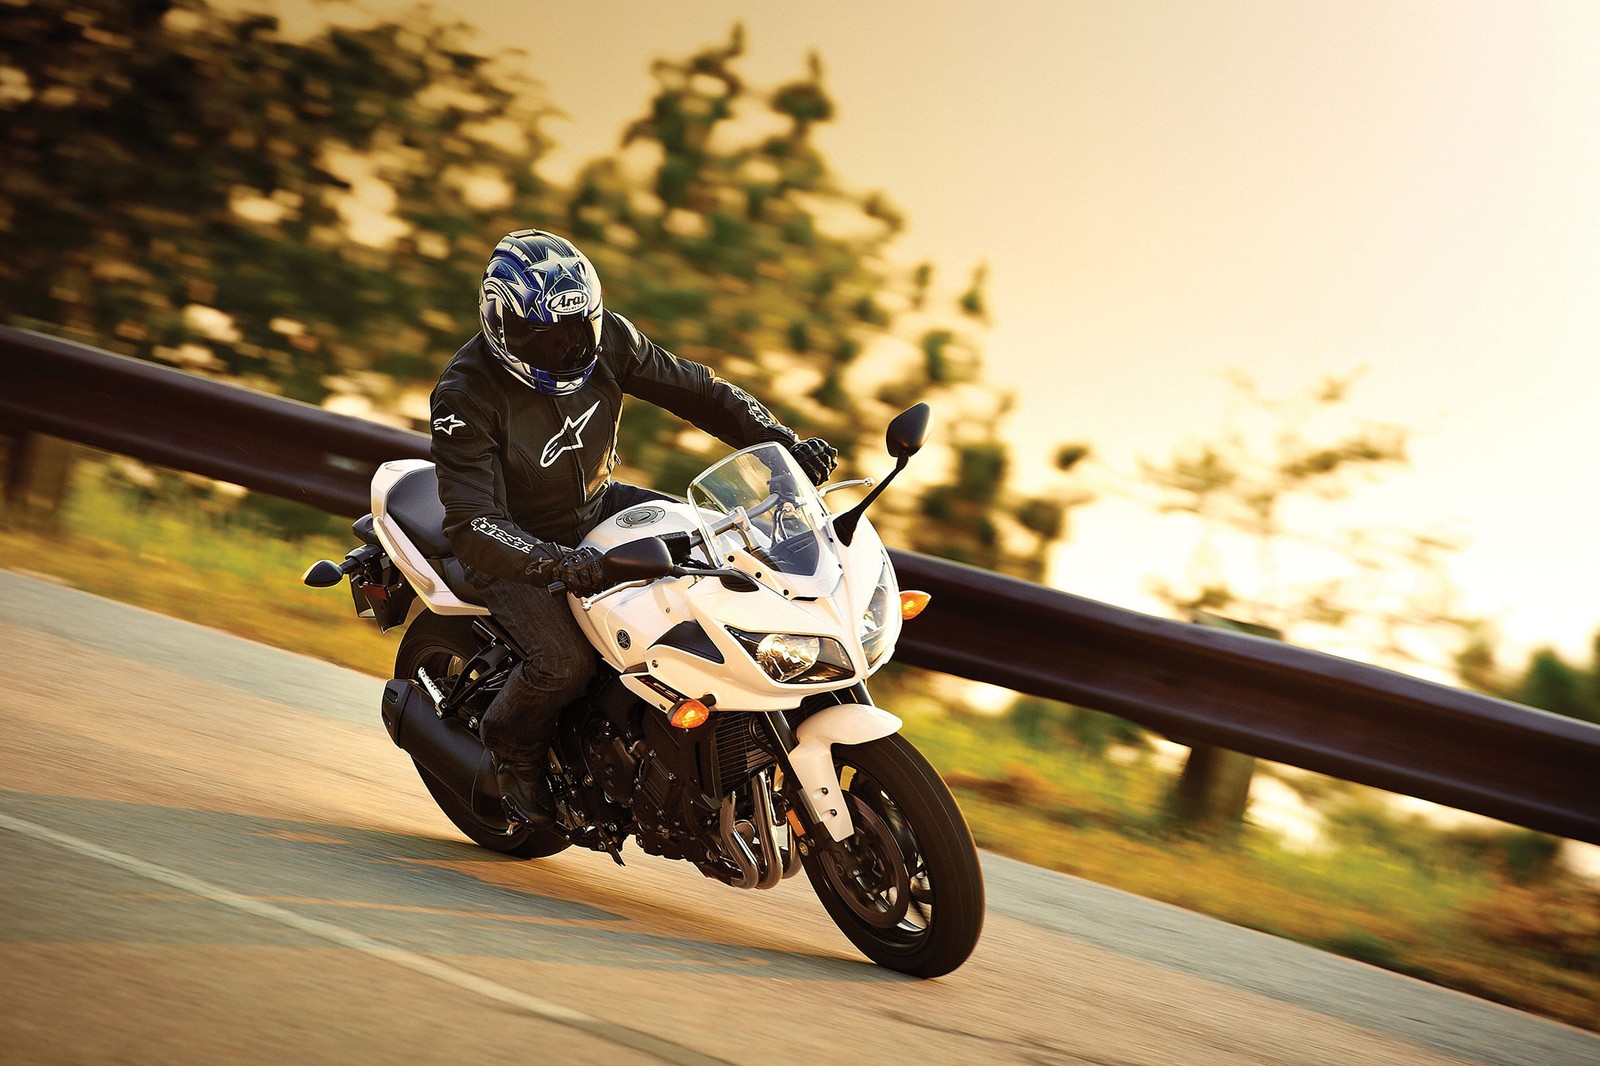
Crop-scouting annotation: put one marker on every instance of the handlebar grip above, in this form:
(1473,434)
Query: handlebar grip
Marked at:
(556,588)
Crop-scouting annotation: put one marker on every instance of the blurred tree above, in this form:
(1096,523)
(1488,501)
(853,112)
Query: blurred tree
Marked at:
(188,186)
(1549,682)
(747,254)
(311,217)
(1255,486)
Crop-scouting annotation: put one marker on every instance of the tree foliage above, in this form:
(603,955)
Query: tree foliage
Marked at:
(1252,490)
(181,184)
(752,257)
(311,216)
(1548,681)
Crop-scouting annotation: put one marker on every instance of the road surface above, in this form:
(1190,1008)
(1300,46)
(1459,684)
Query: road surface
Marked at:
(210,851)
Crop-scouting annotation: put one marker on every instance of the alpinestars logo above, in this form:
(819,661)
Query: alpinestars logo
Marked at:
(448,425)
(504,536)
(757,412)
(569,439)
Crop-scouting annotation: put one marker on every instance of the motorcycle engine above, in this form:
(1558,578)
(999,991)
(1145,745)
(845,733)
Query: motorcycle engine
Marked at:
(668,821)
(633,774)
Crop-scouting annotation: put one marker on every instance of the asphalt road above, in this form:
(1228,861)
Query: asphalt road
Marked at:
(210,851)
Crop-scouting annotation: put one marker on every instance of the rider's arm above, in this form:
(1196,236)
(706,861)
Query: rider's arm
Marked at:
(472,488)
(693,393)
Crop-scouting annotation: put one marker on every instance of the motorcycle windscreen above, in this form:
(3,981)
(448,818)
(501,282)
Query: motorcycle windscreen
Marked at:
(779,522)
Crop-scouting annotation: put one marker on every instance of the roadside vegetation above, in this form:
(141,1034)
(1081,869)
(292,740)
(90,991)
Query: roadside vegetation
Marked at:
(1488,911)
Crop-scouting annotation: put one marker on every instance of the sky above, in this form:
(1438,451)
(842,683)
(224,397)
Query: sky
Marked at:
(1165,193)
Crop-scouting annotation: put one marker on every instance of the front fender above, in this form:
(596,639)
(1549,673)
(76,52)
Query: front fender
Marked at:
(812,758)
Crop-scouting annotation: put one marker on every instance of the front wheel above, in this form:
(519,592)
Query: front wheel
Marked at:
(906,887)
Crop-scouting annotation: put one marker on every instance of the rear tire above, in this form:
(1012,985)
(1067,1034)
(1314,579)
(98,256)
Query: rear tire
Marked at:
(908,890)
(442,645)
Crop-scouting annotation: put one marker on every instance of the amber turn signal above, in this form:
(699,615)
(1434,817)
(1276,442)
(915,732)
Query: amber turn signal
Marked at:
(689,714)
(912,603)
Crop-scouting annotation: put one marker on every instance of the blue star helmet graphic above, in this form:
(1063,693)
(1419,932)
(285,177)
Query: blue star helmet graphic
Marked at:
(540,309)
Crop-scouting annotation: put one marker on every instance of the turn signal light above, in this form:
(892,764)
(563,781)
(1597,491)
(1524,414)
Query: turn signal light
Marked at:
(689,714)
(912,603)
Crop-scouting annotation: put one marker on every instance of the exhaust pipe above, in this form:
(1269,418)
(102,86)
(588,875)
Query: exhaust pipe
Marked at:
(444,747)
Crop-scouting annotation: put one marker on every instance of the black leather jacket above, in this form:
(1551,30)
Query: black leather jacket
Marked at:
(520,471)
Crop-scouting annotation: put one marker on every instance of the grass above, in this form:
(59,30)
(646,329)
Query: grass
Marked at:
(1416,901)
(1397,896)
(190,558)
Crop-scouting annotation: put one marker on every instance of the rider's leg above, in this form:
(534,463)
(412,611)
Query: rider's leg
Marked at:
(520,723)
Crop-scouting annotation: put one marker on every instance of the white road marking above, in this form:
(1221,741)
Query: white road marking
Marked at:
(346,938)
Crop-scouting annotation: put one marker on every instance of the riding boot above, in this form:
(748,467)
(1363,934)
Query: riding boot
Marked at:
(524,793)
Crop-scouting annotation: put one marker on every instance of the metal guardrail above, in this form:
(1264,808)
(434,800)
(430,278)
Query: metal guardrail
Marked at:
(164,416)
(1289,704)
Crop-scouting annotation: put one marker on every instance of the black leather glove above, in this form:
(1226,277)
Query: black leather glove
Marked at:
(580,570)
(816,457)
(576,568)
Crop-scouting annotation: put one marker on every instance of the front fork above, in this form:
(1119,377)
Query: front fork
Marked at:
(821,818)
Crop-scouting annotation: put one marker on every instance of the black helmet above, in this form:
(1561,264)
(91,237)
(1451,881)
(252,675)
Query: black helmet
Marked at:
(540,308)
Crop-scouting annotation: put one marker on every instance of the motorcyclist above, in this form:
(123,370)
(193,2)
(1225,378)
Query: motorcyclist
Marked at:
(524,437)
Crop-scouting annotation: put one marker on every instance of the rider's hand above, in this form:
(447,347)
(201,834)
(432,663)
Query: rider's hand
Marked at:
(816,457)
(575,570)
(580,570)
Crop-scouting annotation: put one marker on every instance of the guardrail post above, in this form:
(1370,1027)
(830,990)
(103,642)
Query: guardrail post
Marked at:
(37,471)
(1213,791)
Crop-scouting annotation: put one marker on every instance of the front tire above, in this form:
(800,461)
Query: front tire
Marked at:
(906,887)
(442,645)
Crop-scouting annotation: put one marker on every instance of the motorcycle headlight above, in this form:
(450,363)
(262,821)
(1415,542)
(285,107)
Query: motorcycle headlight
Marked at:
(796,658)
(875,620)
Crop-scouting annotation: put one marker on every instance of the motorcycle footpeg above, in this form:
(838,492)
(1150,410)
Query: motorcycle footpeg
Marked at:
(532,819)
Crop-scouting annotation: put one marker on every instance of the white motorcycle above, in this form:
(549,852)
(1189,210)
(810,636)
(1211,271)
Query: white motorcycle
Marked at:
(728,723)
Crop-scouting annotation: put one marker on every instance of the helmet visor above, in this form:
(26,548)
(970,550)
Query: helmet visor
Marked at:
(570,344)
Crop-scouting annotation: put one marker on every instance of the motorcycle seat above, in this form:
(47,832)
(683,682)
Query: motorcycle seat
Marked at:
(413,503)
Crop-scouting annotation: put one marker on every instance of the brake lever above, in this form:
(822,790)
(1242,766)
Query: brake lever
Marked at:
(590,601)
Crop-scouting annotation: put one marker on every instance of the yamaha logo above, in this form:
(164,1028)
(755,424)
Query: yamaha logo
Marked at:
(566,303)
(641,516)
(623,640)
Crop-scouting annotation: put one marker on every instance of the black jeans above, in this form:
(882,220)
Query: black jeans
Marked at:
(520,723)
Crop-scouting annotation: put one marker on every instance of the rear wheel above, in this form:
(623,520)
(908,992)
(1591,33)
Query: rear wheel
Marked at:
(906,887)
(442,645)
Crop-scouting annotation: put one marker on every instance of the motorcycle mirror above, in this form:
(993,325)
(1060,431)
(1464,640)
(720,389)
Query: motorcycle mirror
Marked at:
(323,574)
(637,560)
(909,431)
(905,437)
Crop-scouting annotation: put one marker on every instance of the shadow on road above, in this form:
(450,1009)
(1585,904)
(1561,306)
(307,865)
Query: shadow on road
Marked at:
(424,894)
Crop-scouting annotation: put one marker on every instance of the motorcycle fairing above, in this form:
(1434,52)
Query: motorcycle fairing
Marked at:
(631,627)
(627,626)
